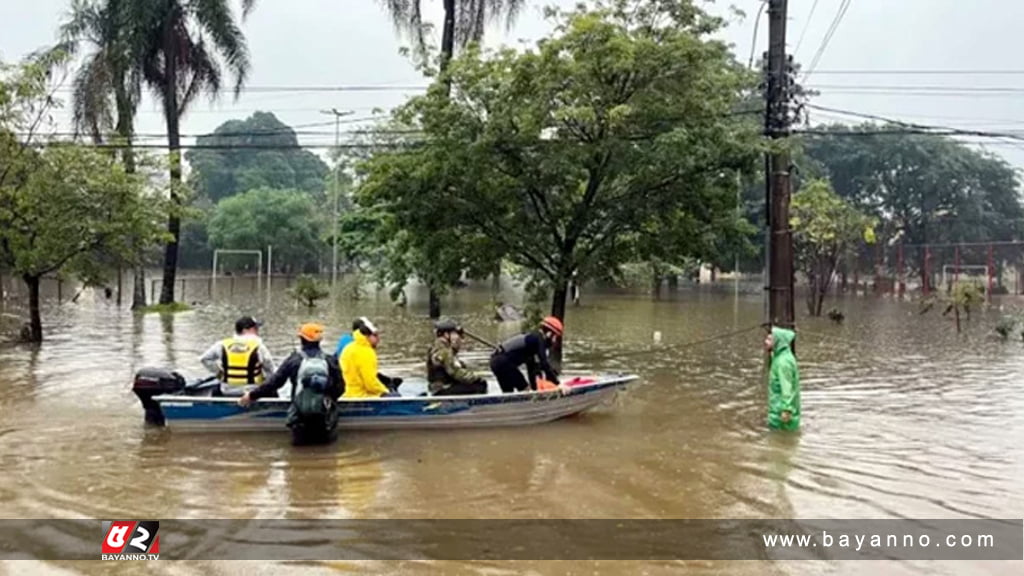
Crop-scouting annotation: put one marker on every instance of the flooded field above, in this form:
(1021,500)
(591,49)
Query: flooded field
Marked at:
(902,419)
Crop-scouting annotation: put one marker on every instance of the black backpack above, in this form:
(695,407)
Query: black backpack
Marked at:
(312,408)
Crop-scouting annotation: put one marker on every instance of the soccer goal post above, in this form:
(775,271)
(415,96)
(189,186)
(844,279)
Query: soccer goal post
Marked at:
(259,265)
(980,272)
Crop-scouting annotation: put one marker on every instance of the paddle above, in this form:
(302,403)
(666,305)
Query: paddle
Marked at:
(479,339)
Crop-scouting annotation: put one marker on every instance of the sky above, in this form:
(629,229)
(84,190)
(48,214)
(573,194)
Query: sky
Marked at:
(351,43)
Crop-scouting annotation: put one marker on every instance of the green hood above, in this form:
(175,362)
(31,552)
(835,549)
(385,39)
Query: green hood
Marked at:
(782,339)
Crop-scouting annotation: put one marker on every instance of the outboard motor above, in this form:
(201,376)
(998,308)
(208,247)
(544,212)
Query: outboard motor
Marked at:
(150,382)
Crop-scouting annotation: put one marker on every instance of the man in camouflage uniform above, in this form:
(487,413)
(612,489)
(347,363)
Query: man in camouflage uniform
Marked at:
(445,372)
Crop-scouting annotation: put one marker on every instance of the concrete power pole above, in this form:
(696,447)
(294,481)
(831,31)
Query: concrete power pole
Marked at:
(337,167)
(777,121)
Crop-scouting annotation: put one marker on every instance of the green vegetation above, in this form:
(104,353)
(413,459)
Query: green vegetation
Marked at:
(308,290)
(571,156)
(464,21)
(288,220)
(172,308)
(964,297)
(920,188)
(825,227)
(107,89)
(182,49)
(1009,326)
(64,207)
(219,173)
(609,151)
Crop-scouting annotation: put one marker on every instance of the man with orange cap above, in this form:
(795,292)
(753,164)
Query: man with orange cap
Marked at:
(316,387)
(530,349)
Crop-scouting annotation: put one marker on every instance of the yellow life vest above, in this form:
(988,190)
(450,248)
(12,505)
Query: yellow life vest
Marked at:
(240,362)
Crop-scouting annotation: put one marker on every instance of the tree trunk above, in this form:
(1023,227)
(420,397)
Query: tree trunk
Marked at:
(812,291)
(819,297)
(496,278)
(126,131)
(120,283)
(434,303)
(139,294)
(172,116)
(448,36)
(714,274)
(673,282)
(558,302)
(35,333)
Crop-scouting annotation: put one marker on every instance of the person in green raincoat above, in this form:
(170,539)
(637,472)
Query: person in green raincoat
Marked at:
(783,380)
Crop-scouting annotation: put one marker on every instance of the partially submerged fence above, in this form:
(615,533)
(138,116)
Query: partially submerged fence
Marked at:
(925,268)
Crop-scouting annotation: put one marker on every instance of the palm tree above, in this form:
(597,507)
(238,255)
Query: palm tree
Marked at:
(464,23)
(189,44)
(107,87)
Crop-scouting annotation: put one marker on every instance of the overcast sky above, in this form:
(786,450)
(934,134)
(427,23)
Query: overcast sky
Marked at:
(352,43)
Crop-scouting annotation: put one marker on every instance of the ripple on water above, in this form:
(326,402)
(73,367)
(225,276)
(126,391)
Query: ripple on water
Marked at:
(901,418)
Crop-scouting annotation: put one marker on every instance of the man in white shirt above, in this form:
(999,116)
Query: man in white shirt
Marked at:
(241,362)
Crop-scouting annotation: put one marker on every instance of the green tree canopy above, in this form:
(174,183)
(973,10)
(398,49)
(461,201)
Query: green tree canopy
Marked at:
(825,227)
(922,188)
(288,220)
(63,208)
(219,173)
(570,154)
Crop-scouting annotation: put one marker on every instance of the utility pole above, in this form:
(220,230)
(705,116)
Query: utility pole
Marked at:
(777,121)
(736,256)
(337,168)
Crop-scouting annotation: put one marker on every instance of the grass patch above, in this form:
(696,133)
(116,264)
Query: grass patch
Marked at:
(172,308)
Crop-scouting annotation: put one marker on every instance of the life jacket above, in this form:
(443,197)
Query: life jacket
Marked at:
(240,362)
(513,345)
(311,405)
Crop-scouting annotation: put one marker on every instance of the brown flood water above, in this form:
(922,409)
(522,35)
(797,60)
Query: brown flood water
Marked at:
(903,419)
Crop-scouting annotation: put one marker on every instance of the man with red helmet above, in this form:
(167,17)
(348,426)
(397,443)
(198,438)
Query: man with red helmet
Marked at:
(530,349)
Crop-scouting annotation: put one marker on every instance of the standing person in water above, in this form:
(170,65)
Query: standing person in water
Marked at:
(783,380)
(530,349)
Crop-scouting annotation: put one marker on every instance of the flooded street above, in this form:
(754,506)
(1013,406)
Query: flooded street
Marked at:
(902,419)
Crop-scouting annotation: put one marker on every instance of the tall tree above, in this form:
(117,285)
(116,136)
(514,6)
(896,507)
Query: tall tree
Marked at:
(922,188)
(824,227)
(190,44)
(288,220)
(107,87)
(570,155)
(464,23)
(63,207)
(222,171)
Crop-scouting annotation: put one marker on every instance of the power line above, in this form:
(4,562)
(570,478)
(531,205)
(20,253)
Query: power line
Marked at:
(911,88)
(828,36)
(146,146)
(309,88)
(807,26)
(152,135)
(922,72)
(757,23)
(922,94)
(907,127)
